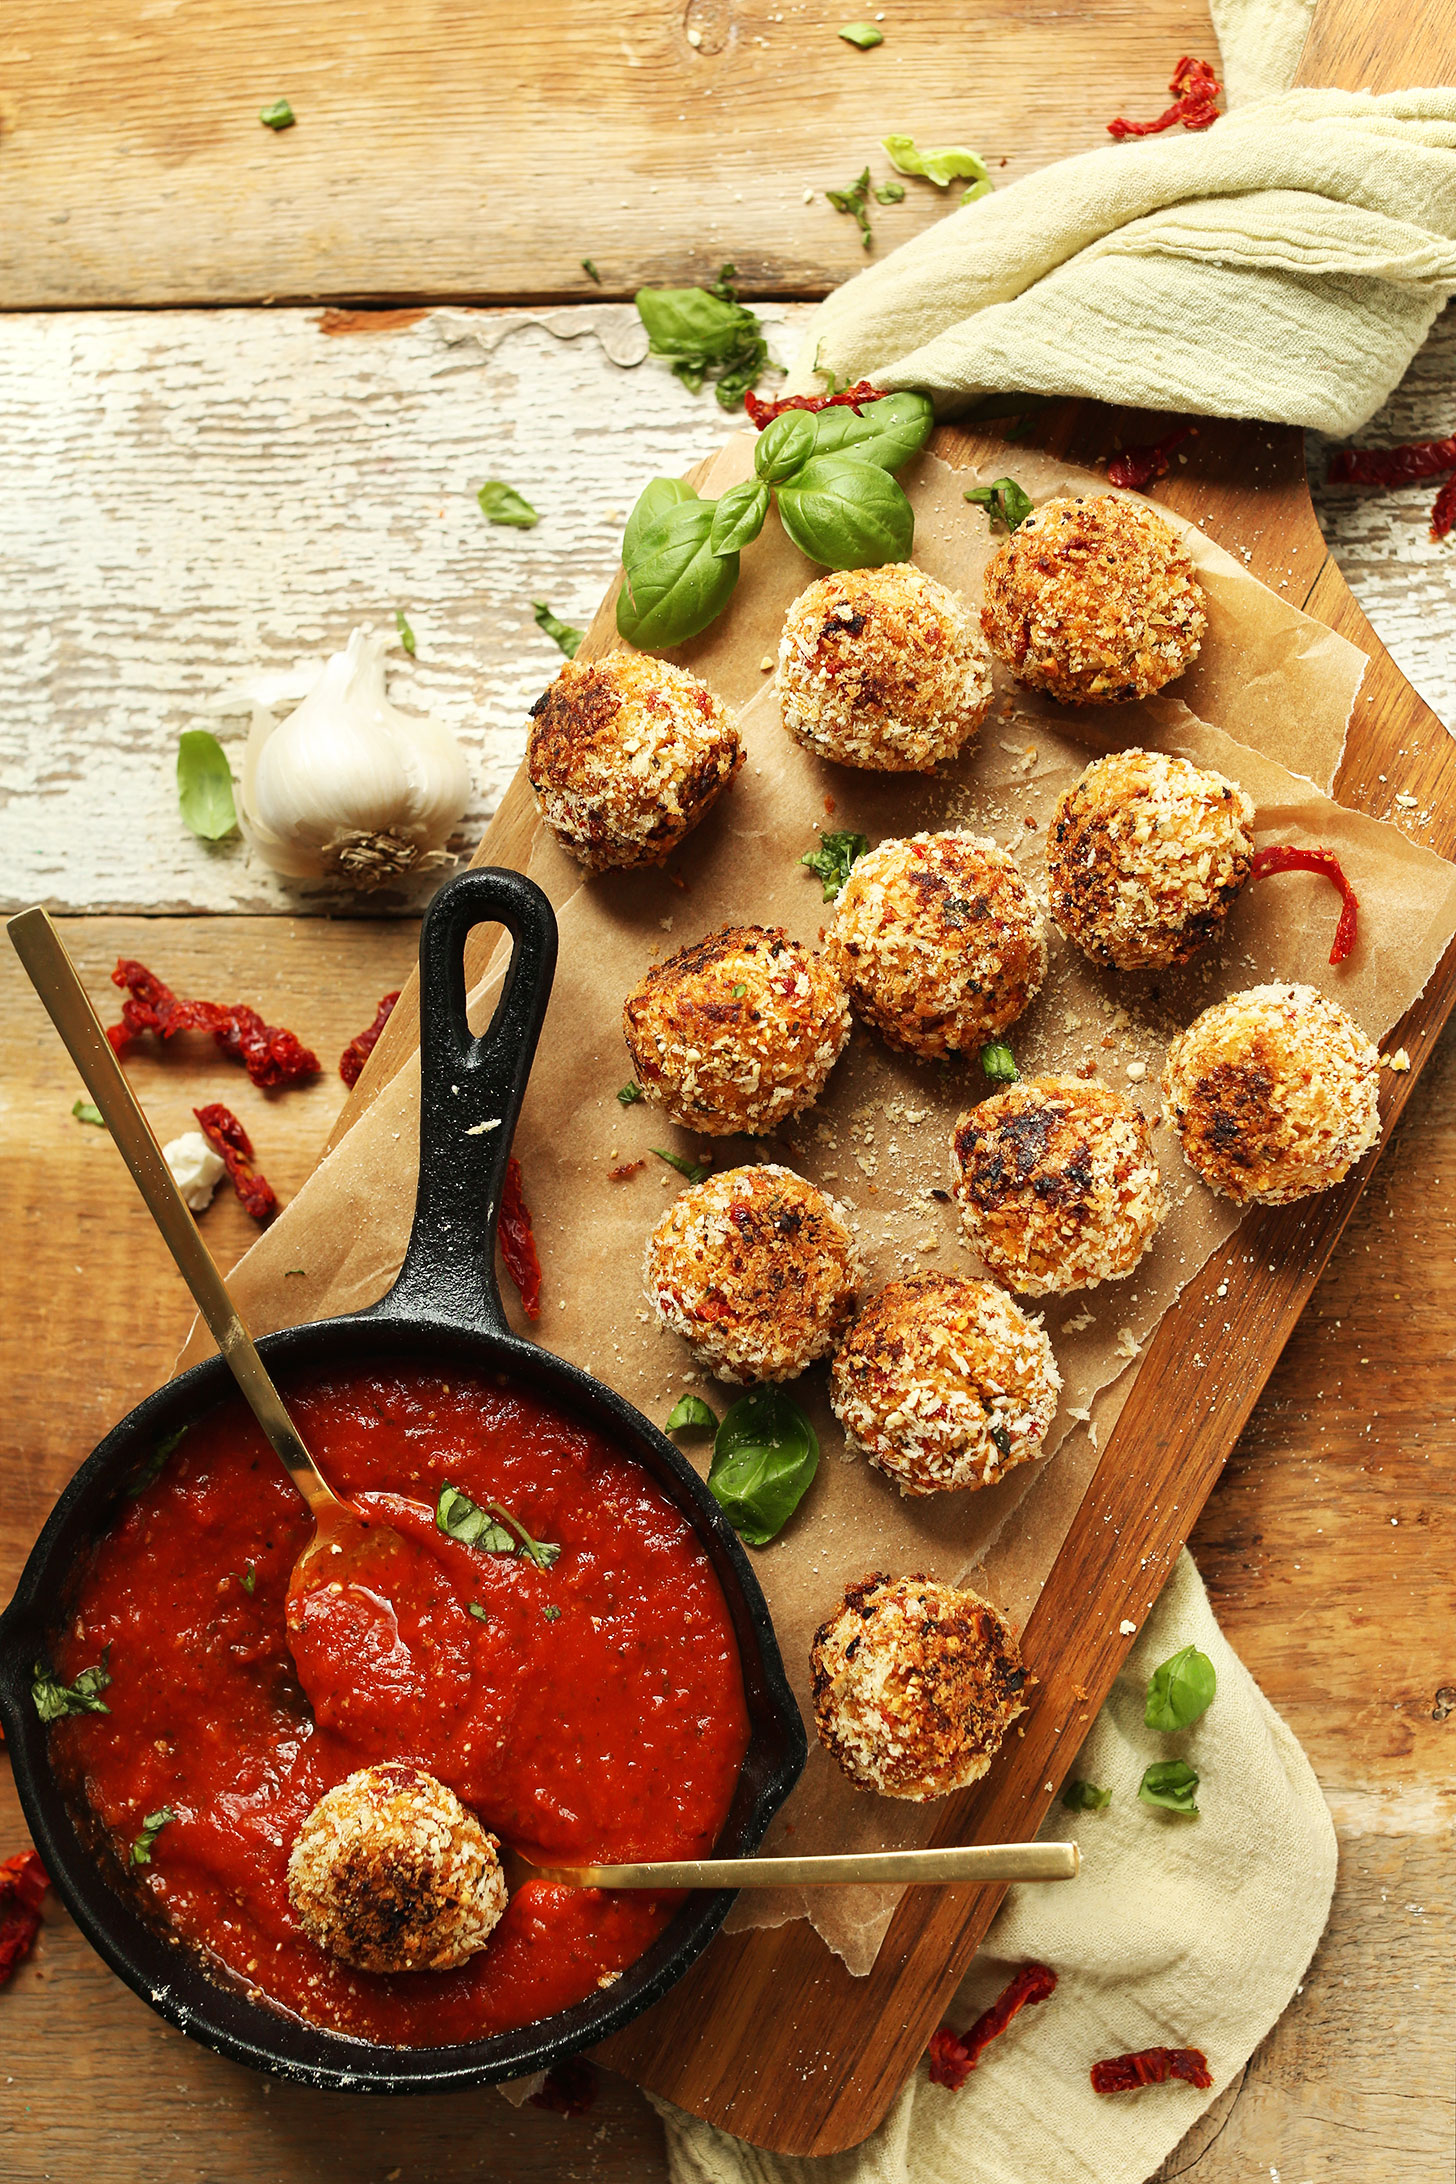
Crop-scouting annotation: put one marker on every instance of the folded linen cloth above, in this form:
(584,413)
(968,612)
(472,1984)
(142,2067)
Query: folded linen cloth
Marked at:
(1179,1933)
(1285,264)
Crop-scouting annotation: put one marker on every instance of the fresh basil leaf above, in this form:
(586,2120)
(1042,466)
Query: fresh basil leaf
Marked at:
(846,513)
(834,858)
(406,634)
(764,1460)
(630,1094)
(590,271)
(998,1063)
(1004,499)
(675,584)
(501,503)
(1171,1784)
(705,334)
(863,35)
(951,163)
(1179,1690)
(694,1172)
(205,785)
(279,115)
(152,1826)
(561,633)
(784,446)
(492,1529)
(855,200)
(889,193)
(738,518)
(652,503)
(690,1414)
(54,1700)
(152,1468)
(88,1111)
(887,432)
(1085,1797)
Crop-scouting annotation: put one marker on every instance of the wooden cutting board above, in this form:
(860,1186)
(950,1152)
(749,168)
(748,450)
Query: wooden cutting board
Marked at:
(769,2036)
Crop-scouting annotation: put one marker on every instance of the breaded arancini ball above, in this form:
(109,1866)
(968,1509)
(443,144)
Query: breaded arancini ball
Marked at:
(625,755)
(391,1873)
(883,668)
(944,1383)
(1093,601)
(756,1270)
(1058,1184)
(1145,855)
(738,1031)
(1274,1094)
(939,941)
(915,1685)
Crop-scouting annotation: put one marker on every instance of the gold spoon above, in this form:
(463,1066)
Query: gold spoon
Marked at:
(339,1529)
(979,1862)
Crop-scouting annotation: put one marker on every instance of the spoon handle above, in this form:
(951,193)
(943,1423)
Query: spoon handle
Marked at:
(975,1862)
(53,975)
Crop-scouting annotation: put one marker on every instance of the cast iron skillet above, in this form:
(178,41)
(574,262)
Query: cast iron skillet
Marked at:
(445,1307)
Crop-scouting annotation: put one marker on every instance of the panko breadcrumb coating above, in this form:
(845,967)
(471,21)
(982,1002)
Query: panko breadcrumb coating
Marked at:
(1145,855)
(939,941)
(1094,601)
(392,1874)
(944,1383)
(1058,1184)
(625,755)
(738,1031)
(915,1685)
(883,668)
(756,1270)
(1274,1094)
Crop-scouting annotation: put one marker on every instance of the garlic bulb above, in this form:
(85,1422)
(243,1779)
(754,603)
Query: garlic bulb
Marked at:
(348,786)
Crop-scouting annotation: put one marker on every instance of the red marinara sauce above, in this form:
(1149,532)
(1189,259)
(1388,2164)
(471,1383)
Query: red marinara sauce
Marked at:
(613,1729)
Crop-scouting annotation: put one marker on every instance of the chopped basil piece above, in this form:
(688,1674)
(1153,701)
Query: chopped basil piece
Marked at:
(205,786)
(738,992)
(551,1614)
(854,199)
(152,1826)
(500,503)
(560,633)
(833,859)
(690,1414)
(54,1700)
(590,271)
(473,1607)
(492,1529)
(1170,1784)
(977,189)
(406,634)
(630,1094)
(1085,1797)
(951,163)
(694,1172)
(998,1063)
(279,115)
(764,1460)
(889,193)
(1004,500)
(1179,1690)
(249,1581)
(706,334)
(863,35)
(1000,1436)
(88,1111)
(152,1468)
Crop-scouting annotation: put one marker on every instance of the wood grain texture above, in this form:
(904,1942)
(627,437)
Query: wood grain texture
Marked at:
(478,153)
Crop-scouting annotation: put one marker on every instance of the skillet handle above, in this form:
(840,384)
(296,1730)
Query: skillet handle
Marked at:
(449,1267)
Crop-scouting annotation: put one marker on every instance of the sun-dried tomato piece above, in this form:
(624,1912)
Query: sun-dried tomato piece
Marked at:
(1194,88)
(1443,510)
(763,413)
(518,1241)
(220,1126)
(954,2055)
(23,1881)
(1403,465)
(1289,859)
(570,2088)
(358,1051)
(270,1055)
(1151,2066)
(1138,467)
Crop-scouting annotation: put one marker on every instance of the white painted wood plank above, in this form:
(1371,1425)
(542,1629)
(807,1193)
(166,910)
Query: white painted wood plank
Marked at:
(190,496)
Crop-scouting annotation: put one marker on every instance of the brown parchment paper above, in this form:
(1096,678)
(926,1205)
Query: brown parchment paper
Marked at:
(880,1138)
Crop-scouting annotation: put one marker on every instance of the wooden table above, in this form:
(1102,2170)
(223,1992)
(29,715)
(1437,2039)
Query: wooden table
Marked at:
(202,492)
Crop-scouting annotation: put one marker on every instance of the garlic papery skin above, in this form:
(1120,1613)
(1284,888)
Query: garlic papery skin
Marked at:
(347,786)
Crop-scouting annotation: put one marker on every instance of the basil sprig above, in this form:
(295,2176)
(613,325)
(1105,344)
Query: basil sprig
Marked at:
(832,474)
(152,1826)
(492,1529)
(1171,1784)
(764,1460)
(54,1700)
(706,334)
(1179,1690)
(834,859)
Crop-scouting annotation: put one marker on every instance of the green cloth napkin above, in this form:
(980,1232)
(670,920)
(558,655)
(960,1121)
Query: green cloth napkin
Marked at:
(1284,264)
(1178,1933)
